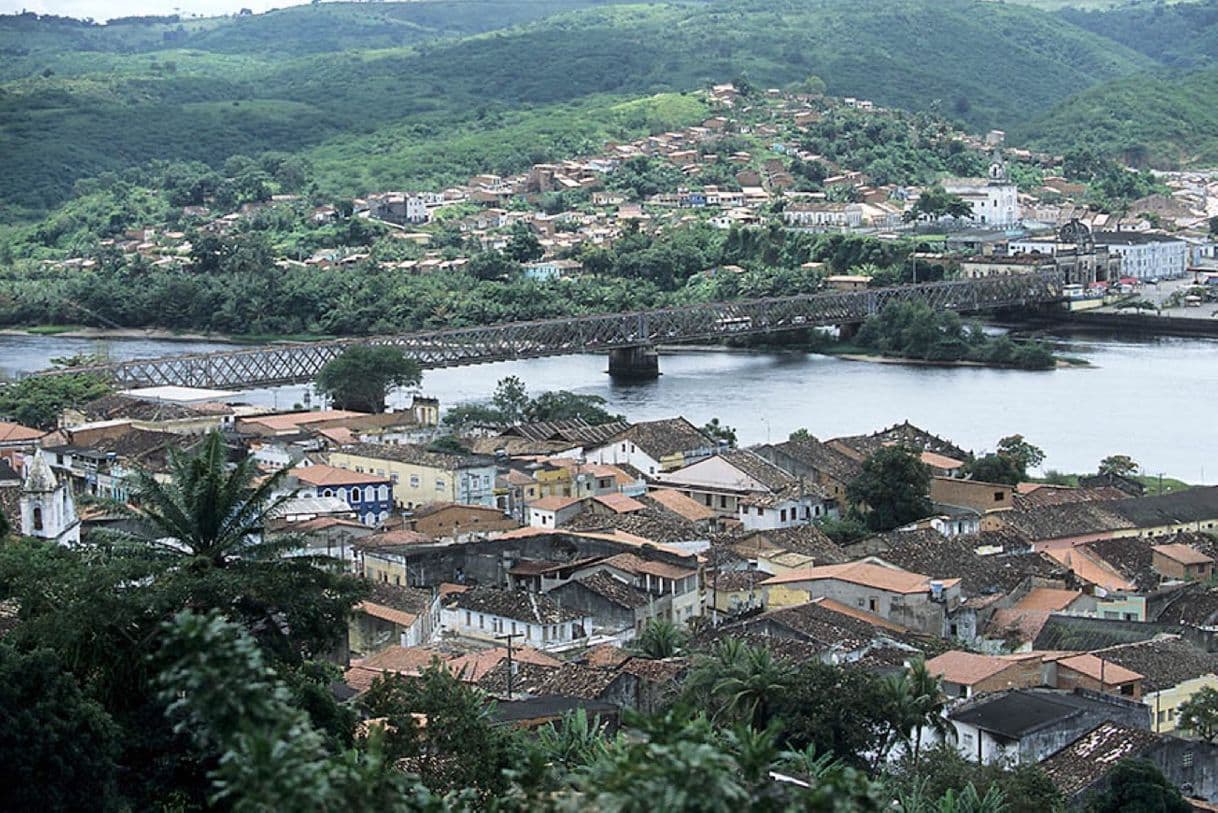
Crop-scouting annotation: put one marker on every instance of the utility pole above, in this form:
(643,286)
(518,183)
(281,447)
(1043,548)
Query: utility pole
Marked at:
(508,637)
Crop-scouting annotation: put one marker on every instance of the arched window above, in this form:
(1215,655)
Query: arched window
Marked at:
(37,517)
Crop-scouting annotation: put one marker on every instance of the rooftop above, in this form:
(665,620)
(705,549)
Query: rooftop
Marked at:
(968,668)
(665,437)
(1100,668)
(889,579)
(515,604)
(1019,712)
(1163,662)
(320,474)
(1183,554)
(417,455)
(1086,760)
(681,505)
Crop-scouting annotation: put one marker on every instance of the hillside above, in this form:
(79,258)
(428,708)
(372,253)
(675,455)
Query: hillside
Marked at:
(1180,34)
(1176,120)
(90,112)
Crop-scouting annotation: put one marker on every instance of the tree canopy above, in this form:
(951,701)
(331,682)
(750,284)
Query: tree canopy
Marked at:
(894,487)
(360,378)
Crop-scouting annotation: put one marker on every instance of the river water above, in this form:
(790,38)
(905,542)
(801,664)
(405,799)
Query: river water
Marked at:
(1154,400)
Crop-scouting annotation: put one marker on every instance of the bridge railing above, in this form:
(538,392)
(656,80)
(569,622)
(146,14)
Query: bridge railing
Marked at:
(299,362)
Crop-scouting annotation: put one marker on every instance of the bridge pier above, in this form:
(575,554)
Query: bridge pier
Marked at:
(848,331)
(634,363)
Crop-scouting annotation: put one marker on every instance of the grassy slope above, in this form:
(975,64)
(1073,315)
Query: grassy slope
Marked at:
(989,63)
(1165,120)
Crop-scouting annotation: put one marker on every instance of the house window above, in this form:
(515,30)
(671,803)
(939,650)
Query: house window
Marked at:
(997,496)
(782,515)
(1186,759)
(328,492)
(723,501)
(467,619)
(439,484)
(871,604)
(760,511)
(414,481)
(37,518)
(394,478)
(481,621)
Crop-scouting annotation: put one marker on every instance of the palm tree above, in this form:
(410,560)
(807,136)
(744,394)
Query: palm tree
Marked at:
(207,515)
(748,688)
(928,703)
(660,639)
(203,547)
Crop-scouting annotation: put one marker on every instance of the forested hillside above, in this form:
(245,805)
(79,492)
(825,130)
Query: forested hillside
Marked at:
(224,90)
(1162,120)
(1179,35)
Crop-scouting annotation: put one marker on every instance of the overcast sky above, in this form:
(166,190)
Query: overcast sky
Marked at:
(106,9)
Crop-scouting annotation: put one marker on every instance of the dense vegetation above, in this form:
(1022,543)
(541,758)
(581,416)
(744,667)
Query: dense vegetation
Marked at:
(67,112)
(234,287)
(1177,34)
(914,330)
(1164,119)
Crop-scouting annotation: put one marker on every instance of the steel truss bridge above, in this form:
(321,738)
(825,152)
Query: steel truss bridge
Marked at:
(294,363)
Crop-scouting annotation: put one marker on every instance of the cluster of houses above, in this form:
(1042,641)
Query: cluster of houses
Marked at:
(1068,624)
(1007,230)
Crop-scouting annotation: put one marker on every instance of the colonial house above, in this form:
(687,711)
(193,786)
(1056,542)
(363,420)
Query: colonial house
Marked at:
(655,446)
(552,512)
(617,606)
(674,588)
(490,614)
(743,485)
(420,476)
(369,495)
(910,599)
(393,616)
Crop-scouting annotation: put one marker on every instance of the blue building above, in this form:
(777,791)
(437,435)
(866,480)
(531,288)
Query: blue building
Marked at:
(369,495)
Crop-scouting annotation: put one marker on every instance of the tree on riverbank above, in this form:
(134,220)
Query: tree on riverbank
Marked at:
(915,330)
(362,376)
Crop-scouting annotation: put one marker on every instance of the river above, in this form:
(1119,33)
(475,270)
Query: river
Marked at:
(1153,400)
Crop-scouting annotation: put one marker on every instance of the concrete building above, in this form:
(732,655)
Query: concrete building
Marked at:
(420,476)
(994,200)
(489,613)
(369,495)
(1146,255)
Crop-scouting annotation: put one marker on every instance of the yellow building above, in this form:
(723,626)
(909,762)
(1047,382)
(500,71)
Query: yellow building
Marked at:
(420,476)
(1172,669)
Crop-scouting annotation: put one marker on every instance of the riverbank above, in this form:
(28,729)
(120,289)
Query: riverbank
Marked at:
(1059,363)
(157,334)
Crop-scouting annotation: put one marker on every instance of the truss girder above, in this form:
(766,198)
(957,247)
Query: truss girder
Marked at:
(299,362)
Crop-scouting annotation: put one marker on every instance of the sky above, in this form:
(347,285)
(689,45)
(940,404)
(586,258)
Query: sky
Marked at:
(101,10)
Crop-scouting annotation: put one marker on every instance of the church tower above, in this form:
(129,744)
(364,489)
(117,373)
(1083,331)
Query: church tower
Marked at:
(47,508)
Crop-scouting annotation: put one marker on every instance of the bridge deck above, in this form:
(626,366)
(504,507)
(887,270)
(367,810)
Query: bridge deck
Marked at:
(291,363)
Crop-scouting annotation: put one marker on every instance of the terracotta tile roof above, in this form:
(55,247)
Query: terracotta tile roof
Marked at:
(988,563)
(1099,668)
(684,507)
(893,580)
(654,671)
(939,461)
(902,434)
(654,524)
(619,503)
(665,437)
(1064,521)
(1023,625)
(1189,505)
(574,430)
(322,475)
(474,665)
(1085,761)
(612,589)
(1183,554)
(16,433)
(1163,662)
(810,453)
(294,420)
(804,539)
(417,455)
(968,668)
(1047,598)
(1045,495)
(514,604)
(1193,605)
(607,656)
(554,503)
(630,563)
(1091,569)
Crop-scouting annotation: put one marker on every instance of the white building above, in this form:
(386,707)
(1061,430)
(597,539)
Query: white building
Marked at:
(1146,255)
(742,485)
(824,215)
(994,200)
(48,510)
(489,613)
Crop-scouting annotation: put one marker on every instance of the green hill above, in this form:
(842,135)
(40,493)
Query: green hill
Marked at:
(1180,35)
(229,92)
(1163,120)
